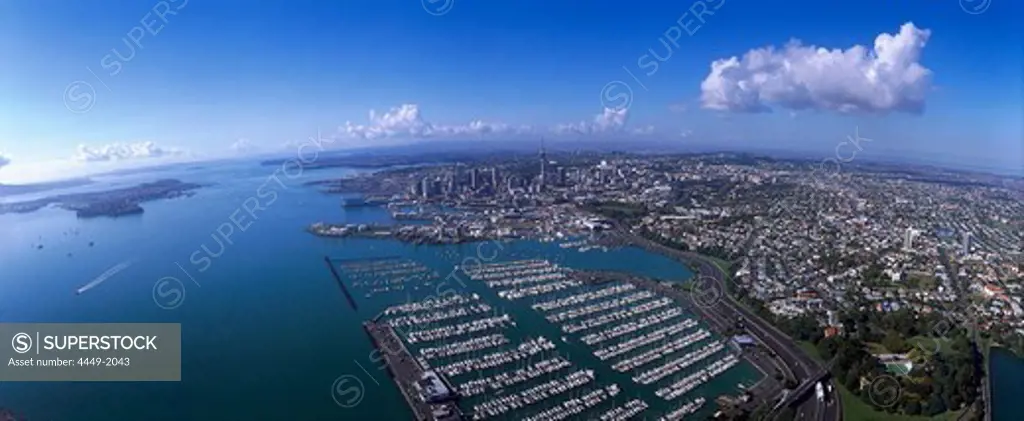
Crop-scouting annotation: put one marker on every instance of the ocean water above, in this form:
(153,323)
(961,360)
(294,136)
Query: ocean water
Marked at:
(266,331)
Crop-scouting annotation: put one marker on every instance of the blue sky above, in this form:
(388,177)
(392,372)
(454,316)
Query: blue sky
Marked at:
(219,78)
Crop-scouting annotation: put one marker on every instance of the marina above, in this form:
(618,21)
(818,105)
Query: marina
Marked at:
(533,395)
(656,353)
(630,327)
(452,300)
(645,339)
(602,306)
(623,314)
(440,315)
(461,329)
(523,351)
(574,406)
(494,368)
(688,383)
(498,382)
(467,346)
(626,411)
(582,297)
(384,274)
(687,409)
(673,367)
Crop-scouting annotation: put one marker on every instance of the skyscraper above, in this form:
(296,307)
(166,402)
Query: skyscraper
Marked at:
(966,243)
(425,187)
(456,181)
(908,239)
(543,163)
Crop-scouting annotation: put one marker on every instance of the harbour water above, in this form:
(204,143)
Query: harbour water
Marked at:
(266,331)
(1007,385)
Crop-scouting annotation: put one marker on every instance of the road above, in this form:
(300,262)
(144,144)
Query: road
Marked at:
(802,365)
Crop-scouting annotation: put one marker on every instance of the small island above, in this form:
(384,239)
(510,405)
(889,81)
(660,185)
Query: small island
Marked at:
(111,203)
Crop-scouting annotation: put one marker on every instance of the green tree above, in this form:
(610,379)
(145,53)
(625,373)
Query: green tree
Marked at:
(912,407)
(894,342)
(935,406)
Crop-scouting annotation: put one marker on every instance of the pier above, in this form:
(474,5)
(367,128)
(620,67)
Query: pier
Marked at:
(408,375)
(337,278)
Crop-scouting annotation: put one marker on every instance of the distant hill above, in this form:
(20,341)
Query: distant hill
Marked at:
(15,189)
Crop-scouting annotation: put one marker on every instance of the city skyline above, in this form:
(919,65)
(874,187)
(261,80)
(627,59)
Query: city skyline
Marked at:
(184,81)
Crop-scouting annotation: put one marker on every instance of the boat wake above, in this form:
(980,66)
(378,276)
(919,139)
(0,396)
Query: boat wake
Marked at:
(104,276)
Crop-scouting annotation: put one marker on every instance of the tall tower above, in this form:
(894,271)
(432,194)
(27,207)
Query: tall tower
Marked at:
(543,163)
(908,239)
(966,243)
(425,187)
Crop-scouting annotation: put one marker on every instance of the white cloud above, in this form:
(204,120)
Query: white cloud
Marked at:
(243,146)
(858,79)
(685,134)
(123,152)
(609,120)
(405,121)
(4,160)
(643,131)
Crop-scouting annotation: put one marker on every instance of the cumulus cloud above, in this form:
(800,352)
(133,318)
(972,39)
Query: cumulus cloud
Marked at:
(243,146)
(885,78)
(123,152)
(405,121)
(609,120)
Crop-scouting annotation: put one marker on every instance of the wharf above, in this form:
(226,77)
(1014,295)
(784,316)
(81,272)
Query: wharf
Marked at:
(406,372)
(344,290)
(366,259)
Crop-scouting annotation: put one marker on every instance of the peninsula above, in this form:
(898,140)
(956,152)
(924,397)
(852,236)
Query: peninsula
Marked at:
(111,203)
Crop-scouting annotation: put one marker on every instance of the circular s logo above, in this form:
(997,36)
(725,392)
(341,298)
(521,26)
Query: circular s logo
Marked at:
(347,391)
(21,343)
(975,7)
(705,292)
(438,7)
(884,391)
(79,97)
(168,293)
(616,95)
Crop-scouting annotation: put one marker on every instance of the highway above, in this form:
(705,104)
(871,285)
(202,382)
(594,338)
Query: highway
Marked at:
(719,301)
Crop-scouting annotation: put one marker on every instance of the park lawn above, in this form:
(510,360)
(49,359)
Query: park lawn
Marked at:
(922,282)
(810,349)
(876,348)
(929,344)
(855,409)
